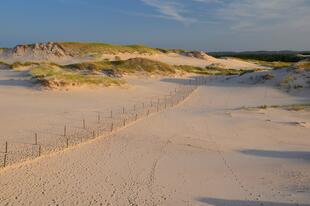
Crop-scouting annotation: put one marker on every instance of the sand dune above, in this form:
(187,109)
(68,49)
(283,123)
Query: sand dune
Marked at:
(207,151)
(58,53)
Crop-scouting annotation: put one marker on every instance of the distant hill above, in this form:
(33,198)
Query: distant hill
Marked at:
(285,55)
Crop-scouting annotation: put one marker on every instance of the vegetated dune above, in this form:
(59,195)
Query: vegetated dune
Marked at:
(253,156)
(74,52)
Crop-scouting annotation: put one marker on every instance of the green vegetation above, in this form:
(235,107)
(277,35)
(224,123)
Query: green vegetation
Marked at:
(178,51)
(303,65)
(268,76)
(94,49)
(127,66)
(290,107)
(4,63)
(273,64)
(194,70)
(52,76)
(263,56)
(218,70)
(143,65)
(17,65)
(152,67)
(287,79)
(91,66)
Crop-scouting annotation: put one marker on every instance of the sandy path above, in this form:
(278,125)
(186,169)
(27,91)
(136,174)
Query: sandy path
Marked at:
(203,152)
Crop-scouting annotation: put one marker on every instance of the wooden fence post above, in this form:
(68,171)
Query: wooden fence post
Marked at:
(94,134)
(65,130)
(39,152)
(84,125)
(6,147)
(35,138)
(112,127)
(99,118)
(4,160)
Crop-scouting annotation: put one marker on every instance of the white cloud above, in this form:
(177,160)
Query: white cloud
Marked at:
(238,15)
(170,10)
(266,14)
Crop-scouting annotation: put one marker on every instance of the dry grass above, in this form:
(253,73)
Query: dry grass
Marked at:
(52,76)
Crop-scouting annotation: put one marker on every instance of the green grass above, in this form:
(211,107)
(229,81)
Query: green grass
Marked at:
(144,65)
(268,76)
(286,80)
(129,66)
(265,57)
(52,76)
(17,65)
(303,65)
(293,107)
(273,64)
(91,66)
(101,48)
(194,70)
(4,63)
(289,107)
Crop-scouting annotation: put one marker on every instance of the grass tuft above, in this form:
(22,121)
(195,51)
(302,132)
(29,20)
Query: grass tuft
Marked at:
(52,76)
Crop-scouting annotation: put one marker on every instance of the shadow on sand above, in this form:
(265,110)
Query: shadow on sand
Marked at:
(299,155)
(225,202)
(16,83)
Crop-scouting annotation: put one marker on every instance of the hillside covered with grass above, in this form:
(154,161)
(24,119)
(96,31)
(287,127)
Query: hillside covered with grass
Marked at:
(53,77)
(92,48)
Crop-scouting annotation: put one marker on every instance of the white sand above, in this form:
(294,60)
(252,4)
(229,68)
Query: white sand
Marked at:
(203,152)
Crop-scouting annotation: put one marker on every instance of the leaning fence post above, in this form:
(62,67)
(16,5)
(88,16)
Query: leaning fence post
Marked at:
(136,116)
(84,125)
(124,122)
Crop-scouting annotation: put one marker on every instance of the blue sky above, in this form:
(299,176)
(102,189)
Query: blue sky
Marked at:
(211,25)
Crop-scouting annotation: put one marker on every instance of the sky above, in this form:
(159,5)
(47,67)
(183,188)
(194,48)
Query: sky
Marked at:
(210,25)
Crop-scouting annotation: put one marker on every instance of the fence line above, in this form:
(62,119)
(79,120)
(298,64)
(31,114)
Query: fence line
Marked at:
(103,126)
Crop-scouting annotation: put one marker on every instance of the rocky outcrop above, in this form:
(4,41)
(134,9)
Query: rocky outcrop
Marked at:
(39,50)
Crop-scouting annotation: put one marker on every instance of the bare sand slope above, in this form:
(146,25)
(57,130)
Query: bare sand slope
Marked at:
(26,110)
(203,152)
